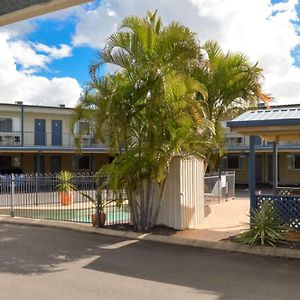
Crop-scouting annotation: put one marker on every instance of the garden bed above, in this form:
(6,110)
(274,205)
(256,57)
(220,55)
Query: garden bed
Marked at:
(157,230)
(292,241)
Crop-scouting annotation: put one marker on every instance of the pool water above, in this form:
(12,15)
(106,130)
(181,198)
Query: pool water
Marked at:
(113,216)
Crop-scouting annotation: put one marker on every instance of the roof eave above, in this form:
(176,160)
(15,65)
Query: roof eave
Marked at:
(259,123)
(38,10)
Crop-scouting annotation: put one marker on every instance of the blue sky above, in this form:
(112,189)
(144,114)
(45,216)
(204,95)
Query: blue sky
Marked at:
(49,56)
(56,32)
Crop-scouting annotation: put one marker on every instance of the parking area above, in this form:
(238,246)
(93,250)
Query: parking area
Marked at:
(47,263)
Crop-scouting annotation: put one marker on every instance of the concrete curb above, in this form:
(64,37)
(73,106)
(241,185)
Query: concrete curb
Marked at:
(226,246)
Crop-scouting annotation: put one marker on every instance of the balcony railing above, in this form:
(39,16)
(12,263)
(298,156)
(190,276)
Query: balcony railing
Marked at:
(235,143)
(263,144)
(48,139)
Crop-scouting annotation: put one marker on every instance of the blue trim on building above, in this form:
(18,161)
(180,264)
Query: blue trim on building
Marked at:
(256,123)
(54,149)
(263,148)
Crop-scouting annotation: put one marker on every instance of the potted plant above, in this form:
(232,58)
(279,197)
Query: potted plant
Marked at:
(99,204)
(65,187)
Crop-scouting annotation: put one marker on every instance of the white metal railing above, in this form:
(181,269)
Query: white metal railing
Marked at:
(37,196)
(219,186)
(29,138)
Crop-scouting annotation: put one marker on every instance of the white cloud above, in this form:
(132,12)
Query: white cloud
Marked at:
(23,85)
(26,56)
(264,32)
(35,55)
(54,52)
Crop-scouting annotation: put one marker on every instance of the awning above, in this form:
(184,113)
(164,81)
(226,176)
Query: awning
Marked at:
(12,11)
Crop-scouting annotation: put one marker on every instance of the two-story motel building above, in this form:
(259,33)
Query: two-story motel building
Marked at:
(39,139)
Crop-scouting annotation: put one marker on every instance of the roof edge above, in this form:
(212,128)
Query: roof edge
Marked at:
(256,123)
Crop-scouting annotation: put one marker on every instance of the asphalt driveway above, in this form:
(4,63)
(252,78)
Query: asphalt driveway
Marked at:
(44,263)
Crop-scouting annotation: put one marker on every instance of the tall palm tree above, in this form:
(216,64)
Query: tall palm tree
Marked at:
(147,110)
(233,85)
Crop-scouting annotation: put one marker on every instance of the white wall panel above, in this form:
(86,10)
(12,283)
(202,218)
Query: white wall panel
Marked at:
(183,203)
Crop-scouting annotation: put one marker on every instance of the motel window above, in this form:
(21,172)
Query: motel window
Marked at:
(293,162)
(5,125)
(297,162)
(82,163)
(233,162)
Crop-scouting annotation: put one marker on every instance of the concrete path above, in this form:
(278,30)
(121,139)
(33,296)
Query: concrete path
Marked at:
(45,263)
(222,220)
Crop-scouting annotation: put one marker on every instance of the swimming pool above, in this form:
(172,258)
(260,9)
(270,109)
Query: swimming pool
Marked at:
(114,215)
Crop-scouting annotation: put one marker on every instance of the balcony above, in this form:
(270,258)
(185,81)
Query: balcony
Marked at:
(48,139)
(243,144)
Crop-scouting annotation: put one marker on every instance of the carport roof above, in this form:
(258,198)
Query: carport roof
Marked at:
(267,117)
(280,123)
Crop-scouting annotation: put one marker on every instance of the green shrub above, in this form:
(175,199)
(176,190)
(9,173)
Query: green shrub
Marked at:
(266,227)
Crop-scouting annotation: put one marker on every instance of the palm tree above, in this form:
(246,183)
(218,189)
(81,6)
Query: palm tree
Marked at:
(233,85)
(142,41)
(147,111)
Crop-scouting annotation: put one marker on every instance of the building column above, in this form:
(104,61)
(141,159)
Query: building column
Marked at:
(22,125)
(275,166)
(251,170)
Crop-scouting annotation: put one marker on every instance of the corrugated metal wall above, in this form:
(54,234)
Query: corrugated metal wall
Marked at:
(183,203)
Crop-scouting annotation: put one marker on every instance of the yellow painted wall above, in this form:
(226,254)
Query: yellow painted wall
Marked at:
(287,176)
(241,176)
(29,120)
(32,113)
(13,114)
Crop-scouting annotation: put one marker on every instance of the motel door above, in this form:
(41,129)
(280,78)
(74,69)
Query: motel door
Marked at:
(5,162)
(270,169)
(39,164)
(56,132)
(55,164)
(258,168)
(40,132)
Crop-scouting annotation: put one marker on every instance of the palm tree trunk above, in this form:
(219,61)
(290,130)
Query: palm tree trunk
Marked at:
(142,204)
(136,214)
(132,206)
(150,200)
(158,205)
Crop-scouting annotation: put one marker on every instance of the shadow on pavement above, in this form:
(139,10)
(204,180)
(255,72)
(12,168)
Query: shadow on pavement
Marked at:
(38,250)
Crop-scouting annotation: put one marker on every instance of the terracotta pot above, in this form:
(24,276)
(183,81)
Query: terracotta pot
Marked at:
(66,198)
(102,219)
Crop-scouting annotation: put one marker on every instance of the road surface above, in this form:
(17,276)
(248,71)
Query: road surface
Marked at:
(45,263)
